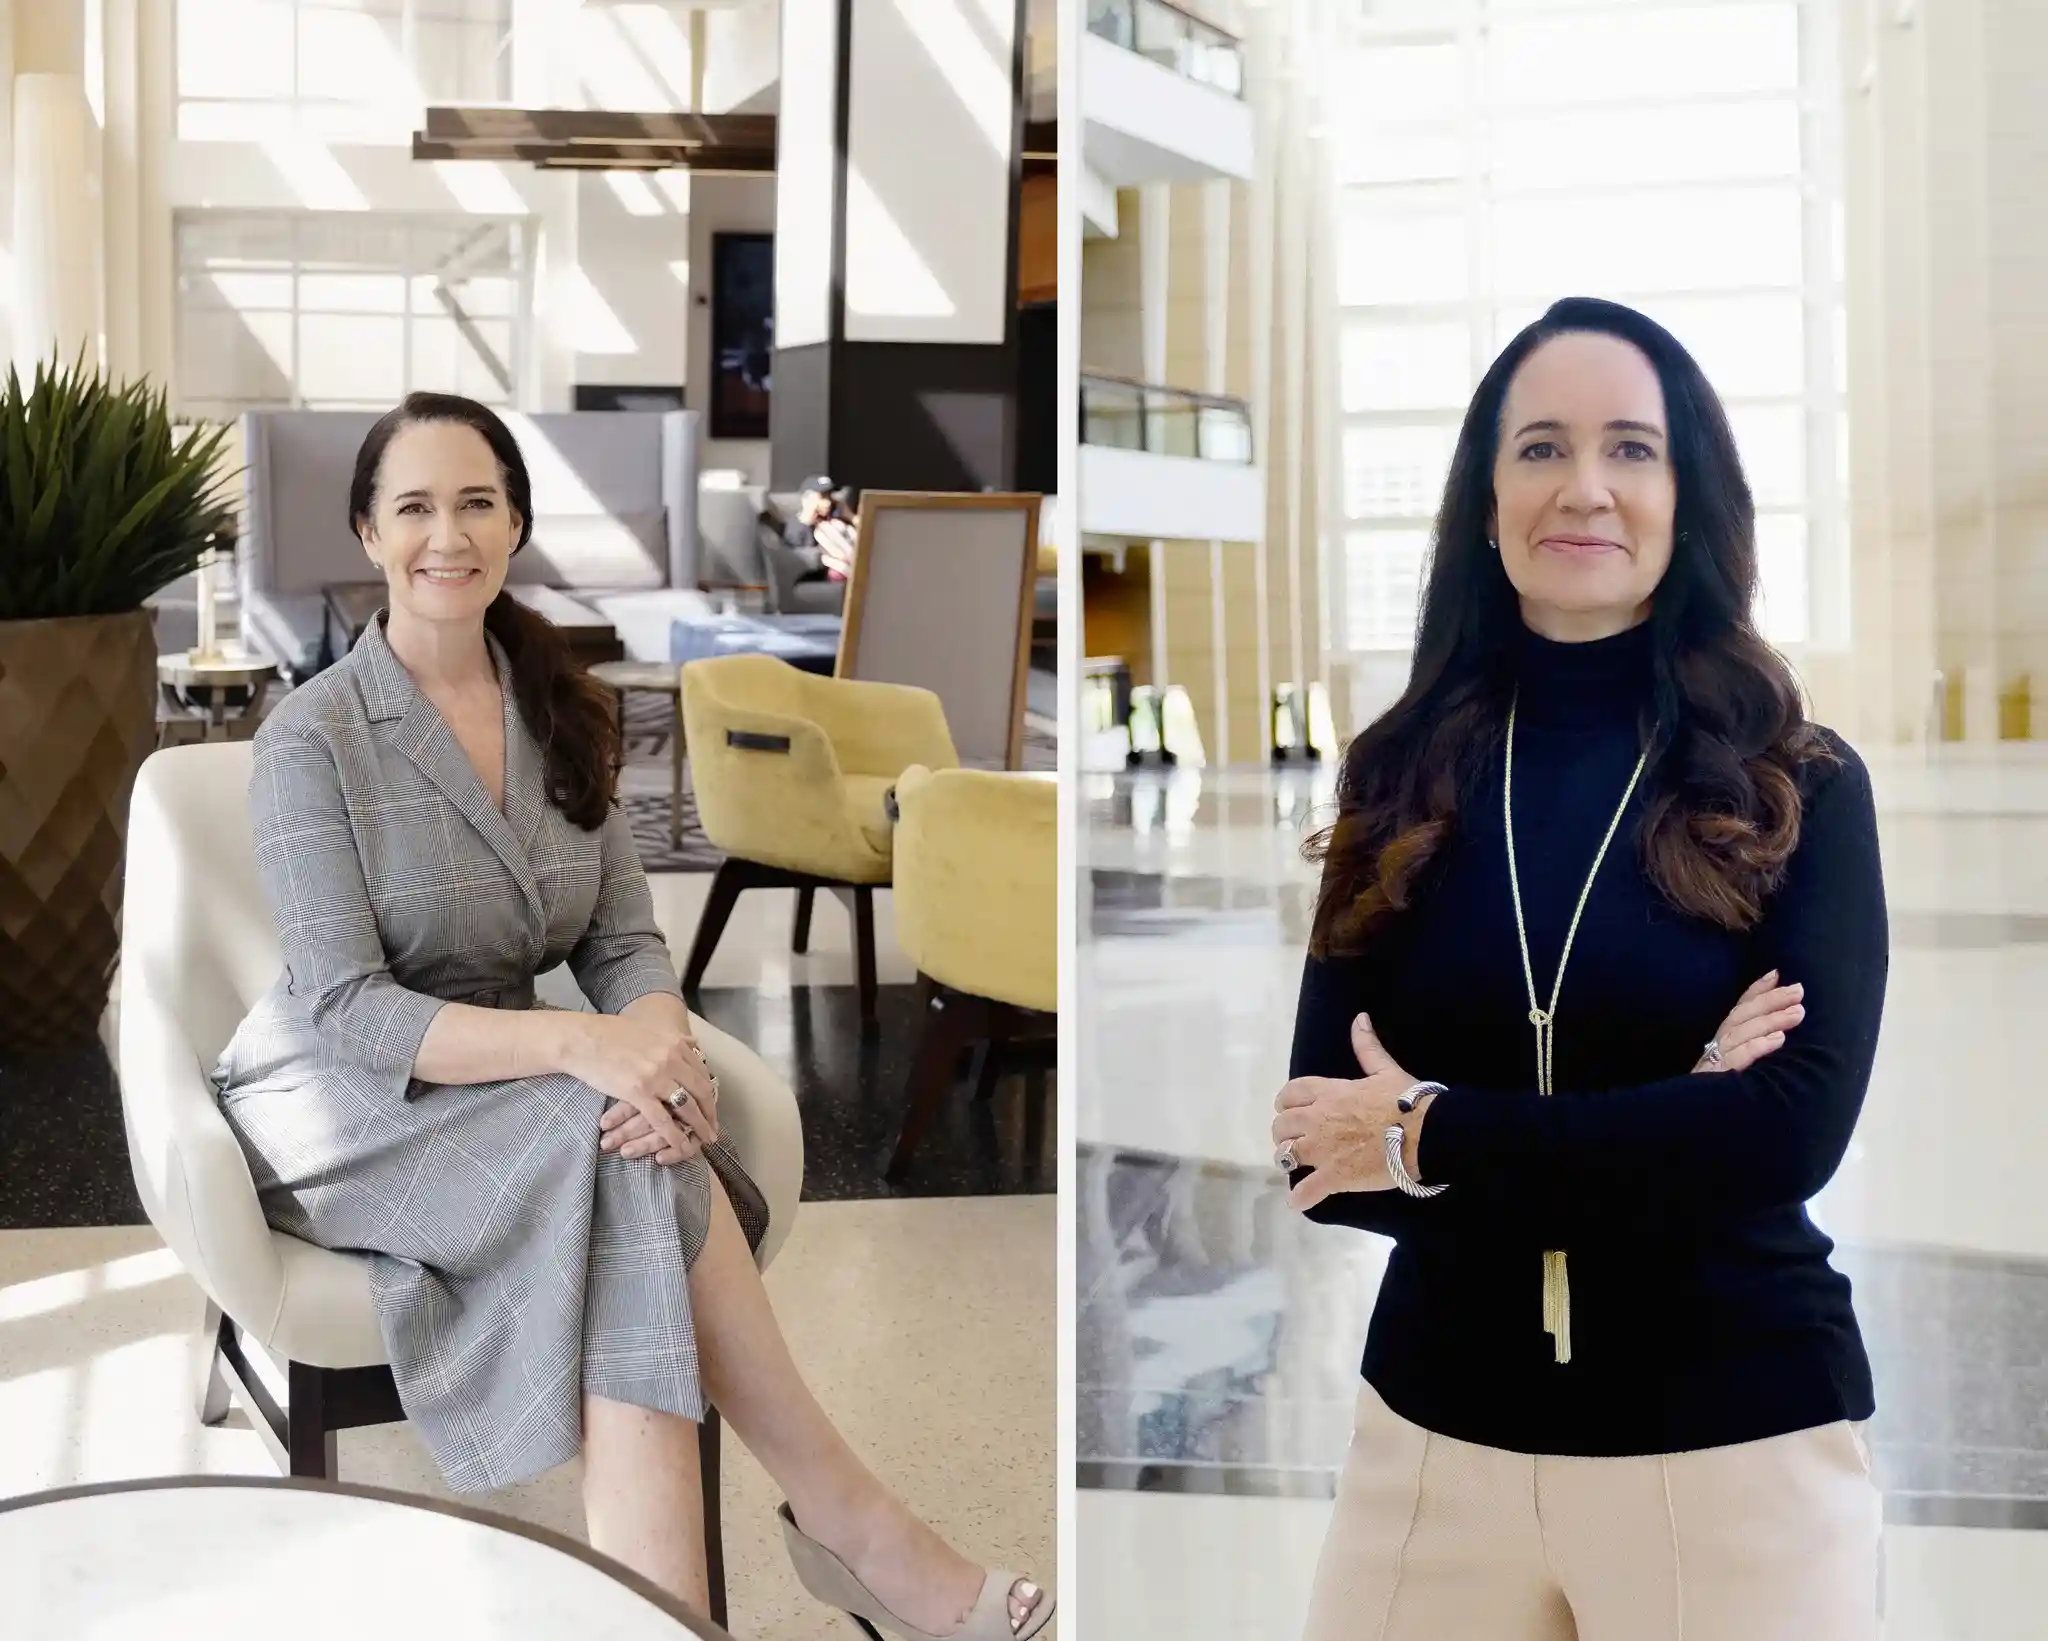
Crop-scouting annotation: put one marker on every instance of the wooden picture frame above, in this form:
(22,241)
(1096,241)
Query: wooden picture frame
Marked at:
(914,606)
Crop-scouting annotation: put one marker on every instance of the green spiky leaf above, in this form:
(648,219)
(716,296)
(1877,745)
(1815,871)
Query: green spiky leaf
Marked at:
(104,500)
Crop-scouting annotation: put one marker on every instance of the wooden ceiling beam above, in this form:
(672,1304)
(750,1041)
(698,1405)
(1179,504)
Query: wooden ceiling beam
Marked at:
(603,139)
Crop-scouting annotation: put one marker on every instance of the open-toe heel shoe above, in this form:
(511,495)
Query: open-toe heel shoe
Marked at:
(831,1581)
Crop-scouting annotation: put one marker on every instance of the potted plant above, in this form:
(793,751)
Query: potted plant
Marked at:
(102,503)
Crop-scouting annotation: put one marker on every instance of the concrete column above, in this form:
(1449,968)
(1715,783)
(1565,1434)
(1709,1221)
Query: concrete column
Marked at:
(1263,214)
(899,136)
(1216,300)
(2016,120)
(1155,251)
(122,145)
(1948,316)
(57,280)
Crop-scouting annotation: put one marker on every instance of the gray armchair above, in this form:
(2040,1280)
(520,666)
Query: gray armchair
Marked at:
(788,592)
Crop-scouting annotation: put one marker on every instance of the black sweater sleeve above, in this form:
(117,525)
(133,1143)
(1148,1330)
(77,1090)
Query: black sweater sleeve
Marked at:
(1696,1149)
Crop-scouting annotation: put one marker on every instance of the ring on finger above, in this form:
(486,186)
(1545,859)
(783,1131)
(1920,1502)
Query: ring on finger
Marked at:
(1712,1052)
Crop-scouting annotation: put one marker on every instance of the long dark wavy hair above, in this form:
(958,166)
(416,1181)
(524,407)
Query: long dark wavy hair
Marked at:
(1724,724)
(566,710)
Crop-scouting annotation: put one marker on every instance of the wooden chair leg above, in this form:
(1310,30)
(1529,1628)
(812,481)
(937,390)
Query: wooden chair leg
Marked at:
(726,888)
(864,949)
(951,1021)
(216,1396)
(988,1071)
(1034,1118)
(714,1528)
(800,930)
(309,1442)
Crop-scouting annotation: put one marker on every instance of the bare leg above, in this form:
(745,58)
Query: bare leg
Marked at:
(752,1379)
(642,1498)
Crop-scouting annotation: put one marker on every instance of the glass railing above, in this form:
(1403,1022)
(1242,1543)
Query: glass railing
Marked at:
(1172,38)
(1123,415)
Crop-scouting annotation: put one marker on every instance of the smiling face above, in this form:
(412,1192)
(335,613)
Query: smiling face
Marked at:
(1584,491)
(443,531)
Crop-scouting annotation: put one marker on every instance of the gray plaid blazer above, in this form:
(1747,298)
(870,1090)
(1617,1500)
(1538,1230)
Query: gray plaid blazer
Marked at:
(513,1265)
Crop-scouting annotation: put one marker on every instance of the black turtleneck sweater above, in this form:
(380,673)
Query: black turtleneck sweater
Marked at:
(1703,1308)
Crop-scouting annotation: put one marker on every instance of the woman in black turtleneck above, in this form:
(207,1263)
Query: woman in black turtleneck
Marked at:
(1614,1390)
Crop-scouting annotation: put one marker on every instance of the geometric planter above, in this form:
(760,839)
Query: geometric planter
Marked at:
(77,718)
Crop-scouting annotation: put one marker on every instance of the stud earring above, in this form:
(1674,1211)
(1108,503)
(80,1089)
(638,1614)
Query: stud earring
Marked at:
(1492,545)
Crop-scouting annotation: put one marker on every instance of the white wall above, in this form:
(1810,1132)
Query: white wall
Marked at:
(633,255)
(722,204)
(743,58)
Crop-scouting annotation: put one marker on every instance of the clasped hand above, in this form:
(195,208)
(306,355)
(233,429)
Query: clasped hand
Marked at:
(1339,1125)
(640,1063)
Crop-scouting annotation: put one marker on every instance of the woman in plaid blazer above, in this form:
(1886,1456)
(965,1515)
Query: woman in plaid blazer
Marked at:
(560,1241)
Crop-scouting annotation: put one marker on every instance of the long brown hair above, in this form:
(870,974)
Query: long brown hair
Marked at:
(1724,724)
(564,709)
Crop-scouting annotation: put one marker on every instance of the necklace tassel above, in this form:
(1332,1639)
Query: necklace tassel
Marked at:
(1557,1303)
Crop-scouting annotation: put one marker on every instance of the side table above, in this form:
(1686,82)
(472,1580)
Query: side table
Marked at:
(662,678)
(220,695)
(324,1561)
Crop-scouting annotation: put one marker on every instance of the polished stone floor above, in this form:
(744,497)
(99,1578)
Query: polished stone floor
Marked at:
(1218,1336)
(926,1329)
(64,1160)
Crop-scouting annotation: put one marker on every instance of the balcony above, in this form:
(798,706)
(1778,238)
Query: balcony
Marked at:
(1162,96)
(1174,39)
(1162,464)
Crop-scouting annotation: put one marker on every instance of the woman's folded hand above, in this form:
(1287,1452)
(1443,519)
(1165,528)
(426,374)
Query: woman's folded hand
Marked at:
(640,1062)
(1757,1025)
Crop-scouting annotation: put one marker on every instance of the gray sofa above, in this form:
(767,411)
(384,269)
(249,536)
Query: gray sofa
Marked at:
(615,522)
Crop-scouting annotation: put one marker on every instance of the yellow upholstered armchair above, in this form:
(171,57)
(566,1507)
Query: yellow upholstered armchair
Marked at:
(791,774)
(977,909)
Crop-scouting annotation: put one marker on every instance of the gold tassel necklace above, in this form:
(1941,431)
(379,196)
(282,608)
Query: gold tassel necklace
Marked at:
(1557,1293)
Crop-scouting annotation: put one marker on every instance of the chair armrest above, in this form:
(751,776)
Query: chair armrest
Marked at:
(189,1168)
(784,567)
(757,1114)
(736,784)
(880,729)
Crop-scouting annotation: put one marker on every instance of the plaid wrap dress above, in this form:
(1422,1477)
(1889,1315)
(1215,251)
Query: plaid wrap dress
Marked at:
(514,1265)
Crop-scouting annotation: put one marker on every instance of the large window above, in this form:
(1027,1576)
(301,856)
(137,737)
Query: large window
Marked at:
(1495,155)
(334,70)
(325,311)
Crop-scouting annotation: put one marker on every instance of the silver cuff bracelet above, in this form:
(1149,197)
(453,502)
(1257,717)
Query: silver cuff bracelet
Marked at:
(1397,1169)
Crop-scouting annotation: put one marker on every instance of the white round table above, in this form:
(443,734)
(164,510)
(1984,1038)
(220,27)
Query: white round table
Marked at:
(207,1556)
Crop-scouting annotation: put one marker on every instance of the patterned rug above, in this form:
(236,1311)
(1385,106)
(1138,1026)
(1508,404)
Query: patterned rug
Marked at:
(644,784)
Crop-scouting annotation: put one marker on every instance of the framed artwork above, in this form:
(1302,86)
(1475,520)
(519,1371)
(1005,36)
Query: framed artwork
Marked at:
(742,333)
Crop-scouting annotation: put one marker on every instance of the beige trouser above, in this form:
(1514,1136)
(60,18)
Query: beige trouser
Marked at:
(1439,1540)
